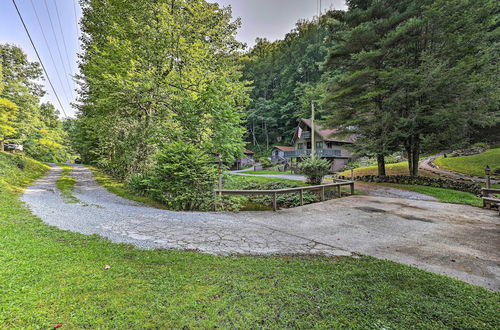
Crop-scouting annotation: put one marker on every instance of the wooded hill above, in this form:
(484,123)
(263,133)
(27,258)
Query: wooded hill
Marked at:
(403,75)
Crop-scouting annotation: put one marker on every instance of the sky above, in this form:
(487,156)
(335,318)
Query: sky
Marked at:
(53,25)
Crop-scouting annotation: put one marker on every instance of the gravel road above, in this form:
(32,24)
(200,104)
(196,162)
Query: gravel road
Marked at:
(455,240)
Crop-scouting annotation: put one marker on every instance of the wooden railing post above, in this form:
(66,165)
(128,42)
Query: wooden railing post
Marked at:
(339,193)
(322,193)
(275,206)
(301,197)
(352,188)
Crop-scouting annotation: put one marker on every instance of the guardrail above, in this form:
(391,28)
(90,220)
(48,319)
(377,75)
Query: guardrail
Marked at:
(300,190)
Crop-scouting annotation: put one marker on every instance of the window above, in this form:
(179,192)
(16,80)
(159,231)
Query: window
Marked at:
(319,145)
(300,146)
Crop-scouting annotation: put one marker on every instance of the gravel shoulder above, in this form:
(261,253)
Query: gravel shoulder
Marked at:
(455,240)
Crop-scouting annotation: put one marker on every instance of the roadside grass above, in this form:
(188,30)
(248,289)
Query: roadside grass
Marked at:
(118,188)
(390,169)
(50,276)
(268,172)
(233,181)
(441,194)
(472,165)
(66,184)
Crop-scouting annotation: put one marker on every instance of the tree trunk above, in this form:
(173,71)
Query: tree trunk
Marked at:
(1,145)
(381,165)
(415,156)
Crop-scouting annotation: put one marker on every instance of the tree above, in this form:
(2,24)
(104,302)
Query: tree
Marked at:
(405,73)
(7,114)
(36,126)
(285,74)
(356,65)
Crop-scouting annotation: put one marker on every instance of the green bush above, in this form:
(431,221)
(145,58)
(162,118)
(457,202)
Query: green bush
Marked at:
(314,169)
(283,200)
(184,178)
(265,162)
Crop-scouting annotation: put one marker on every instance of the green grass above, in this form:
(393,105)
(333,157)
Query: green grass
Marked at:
(268,172)
(472,165)
(118,188)
(232,181)
(66,184)
(441,194)
(48,275)
(390,169)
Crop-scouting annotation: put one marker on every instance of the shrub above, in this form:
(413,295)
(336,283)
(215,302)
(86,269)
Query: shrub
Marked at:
(184,178)
(314,169)
(265,162)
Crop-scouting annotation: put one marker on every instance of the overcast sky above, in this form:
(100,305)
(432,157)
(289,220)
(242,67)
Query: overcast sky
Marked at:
(270,19)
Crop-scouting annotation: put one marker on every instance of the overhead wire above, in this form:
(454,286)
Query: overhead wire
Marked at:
(64,44)
(67,75)
(39,58)
(50,52)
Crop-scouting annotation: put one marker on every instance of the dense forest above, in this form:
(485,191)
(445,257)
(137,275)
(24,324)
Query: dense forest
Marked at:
(285,76)
(24,120)
(409,75)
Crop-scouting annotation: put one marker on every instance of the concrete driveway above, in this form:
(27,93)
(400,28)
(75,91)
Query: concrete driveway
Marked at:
(455,240)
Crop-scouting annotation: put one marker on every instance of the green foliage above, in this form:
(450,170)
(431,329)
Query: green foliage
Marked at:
(239,182)
(23,120)
(413,74)
(285,75)
(265,162)
(184,178)
(156,72)
(314,169)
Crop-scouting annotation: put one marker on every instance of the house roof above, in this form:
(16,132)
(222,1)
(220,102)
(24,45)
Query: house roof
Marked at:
(326,133)
(248,152)
(284,148)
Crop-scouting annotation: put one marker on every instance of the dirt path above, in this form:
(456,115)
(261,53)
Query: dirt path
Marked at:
(455,240)
(427,164)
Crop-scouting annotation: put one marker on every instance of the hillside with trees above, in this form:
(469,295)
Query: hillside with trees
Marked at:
(412,76)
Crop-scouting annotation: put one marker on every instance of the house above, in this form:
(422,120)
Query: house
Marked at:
(326,145)
(278,154)
(247,160)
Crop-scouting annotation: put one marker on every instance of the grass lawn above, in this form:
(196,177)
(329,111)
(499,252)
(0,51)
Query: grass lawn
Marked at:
(66,184)
(232,181)
(390,169)
(472,165)
(268,172)
(50,276)
(441,194)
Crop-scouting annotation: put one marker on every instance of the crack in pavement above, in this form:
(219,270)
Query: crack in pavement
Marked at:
(341,227)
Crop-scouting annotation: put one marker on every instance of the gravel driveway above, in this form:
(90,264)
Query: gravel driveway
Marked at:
(455,240)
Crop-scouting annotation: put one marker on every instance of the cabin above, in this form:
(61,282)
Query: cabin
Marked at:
(247,160)
(327,146)
(278,154)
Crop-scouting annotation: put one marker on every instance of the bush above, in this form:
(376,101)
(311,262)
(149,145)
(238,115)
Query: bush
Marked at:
(184,178)
(265,162)
(314,169)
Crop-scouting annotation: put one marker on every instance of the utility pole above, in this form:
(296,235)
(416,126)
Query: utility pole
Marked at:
(312,131)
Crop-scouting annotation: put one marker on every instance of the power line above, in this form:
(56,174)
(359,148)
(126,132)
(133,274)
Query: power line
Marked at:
(50,52)
(64,41)
(76,24)
(57,43)
(38,55)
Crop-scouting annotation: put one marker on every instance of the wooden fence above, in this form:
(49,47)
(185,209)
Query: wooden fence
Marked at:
(322,188)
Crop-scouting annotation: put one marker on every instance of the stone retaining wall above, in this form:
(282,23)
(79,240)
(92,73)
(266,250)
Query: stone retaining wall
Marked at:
(473,188)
